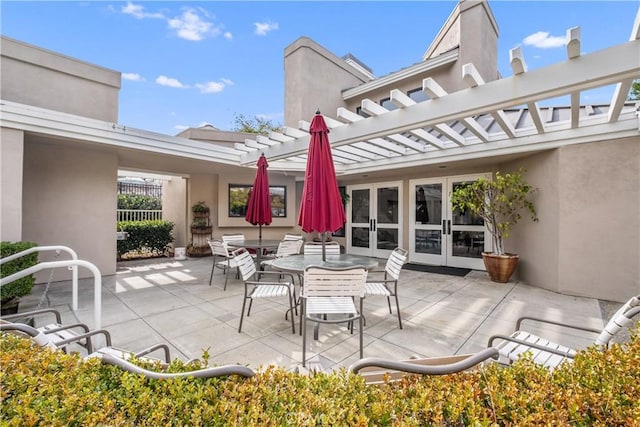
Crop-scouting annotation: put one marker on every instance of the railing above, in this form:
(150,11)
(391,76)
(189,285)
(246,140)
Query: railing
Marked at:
(141,189)
(72,264)
(139,215)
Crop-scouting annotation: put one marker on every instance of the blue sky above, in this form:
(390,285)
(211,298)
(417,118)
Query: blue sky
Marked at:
(194,62)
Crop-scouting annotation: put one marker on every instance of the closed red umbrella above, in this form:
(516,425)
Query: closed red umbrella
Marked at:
(321,208)
(259,205)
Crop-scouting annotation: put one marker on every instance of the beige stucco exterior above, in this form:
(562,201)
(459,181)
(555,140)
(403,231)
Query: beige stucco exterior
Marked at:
(58,190)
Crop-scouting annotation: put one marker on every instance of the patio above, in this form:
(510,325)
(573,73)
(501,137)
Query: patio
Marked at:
(164,300)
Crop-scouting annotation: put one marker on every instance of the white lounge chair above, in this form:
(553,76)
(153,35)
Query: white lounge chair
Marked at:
(551,354)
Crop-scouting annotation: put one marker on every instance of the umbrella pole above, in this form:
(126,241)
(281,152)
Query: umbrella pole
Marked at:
(260,232)
(324,255)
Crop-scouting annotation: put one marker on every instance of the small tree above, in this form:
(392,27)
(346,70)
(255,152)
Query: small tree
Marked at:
(257,125)
(498,203)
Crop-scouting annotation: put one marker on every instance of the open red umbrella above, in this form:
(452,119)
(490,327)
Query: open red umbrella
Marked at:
(321,208)
(259,205)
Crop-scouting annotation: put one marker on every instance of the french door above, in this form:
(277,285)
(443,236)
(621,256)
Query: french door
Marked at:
(439,235)
(374,213)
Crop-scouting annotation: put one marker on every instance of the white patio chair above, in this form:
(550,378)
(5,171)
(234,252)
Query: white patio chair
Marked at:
(330,292)
(122,358)
(315,248)
(292,236)
(550,354)
(255,287)
(285,248)
(388,285)
(222,258)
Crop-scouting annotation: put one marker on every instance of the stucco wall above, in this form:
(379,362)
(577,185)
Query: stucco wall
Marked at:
(314,78)
(11,156)
(35,76)
(70,199)
(174,208)
(587,242)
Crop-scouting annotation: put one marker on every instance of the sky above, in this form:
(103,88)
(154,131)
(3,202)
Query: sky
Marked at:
(190,63)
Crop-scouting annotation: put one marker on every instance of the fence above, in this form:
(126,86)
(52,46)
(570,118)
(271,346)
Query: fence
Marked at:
(138,215)
(140,189)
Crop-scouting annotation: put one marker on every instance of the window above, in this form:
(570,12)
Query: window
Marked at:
(417,95)
(343,194)
(239,197)
(361,112)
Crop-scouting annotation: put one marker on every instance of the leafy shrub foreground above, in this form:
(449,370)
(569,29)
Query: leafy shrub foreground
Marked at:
(50,388)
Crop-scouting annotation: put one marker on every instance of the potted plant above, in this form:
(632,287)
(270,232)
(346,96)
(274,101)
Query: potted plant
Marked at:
(200,210)
(11,292)
(500,204)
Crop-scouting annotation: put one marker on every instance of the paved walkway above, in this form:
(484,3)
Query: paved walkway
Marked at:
(163,300)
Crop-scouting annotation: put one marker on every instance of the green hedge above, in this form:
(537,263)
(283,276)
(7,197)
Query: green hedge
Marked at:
(40,387)
(145,235)
(136,201)
(22,286)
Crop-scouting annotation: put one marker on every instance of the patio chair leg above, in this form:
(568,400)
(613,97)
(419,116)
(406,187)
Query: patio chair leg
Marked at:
(303,332)
(212,268)
(244,302)
(250,305)
(389,304)
(398,309)
(361,336)
(291,308)
(226,278)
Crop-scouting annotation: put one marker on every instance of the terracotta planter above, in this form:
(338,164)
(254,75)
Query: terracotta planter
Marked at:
(500,267)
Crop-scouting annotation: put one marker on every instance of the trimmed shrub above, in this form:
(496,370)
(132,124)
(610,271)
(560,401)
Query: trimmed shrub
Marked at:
(140,202)
(154,236)
(22,286)
(50,388)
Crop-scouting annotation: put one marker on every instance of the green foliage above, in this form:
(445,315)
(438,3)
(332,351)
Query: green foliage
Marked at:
(19,287)
(145,235)
(634,93)
(498,202)
(40,387)
(200,207)
(257,125)
(139,202)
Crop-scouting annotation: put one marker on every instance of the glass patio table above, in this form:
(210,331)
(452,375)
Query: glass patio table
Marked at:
(258,245)
(297,263)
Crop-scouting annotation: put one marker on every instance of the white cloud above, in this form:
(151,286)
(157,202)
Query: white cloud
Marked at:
(137,11)
(134,77)
(190,26)
(262,28)
(543,40)
(214,87)
(170,82)
(228,35)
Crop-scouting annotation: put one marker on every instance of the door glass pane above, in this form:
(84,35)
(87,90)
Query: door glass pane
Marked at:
(429,242)
(360,209)
(360,237)
(429,204)
(464,218)
(469,244)
(387,238)
(387,205)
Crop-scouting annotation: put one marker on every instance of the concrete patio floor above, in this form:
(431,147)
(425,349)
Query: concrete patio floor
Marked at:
(164,300)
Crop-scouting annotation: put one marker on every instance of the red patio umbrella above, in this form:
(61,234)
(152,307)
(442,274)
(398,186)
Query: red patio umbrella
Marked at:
(321,208)
(259,205)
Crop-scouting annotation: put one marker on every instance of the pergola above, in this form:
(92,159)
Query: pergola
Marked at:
(512,115)
(496,118)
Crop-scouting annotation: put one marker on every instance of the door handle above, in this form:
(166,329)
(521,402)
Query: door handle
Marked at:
(444,226)
(374,225)
(448,226)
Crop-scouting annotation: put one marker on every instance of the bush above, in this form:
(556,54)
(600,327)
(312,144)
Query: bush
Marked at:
(139,202)
(51,388)
(22,286)
(145,236)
